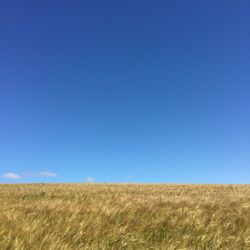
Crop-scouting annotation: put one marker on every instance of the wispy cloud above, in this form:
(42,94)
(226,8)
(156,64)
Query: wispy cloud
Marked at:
(47,174)
(129,176)
(15,176)
(11,175)
(89,179)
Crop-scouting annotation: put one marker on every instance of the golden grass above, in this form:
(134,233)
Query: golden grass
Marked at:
(124,216)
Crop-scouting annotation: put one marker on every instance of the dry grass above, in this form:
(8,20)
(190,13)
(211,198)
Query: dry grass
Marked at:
(101,216)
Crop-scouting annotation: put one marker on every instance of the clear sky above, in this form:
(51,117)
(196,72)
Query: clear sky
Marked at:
(125,91)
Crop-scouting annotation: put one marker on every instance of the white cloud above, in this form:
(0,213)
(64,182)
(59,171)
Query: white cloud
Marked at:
(11,175)
(15,176)
(47,174)
(89,179)
(129,176)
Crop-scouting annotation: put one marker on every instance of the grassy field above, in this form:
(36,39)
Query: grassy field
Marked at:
(124,216)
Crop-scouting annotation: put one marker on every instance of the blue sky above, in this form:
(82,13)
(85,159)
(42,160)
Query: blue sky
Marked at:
(125,91)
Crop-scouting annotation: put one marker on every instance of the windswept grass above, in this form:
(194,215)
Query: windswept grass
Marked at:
(109,216)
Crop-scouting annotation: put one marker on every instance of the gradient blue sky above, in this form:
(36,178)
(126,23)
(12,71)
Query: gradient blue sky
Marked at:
(125,91)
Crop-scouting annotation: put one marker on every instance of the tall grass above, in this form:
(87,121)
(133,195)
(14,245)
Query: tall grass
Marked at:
(124,216)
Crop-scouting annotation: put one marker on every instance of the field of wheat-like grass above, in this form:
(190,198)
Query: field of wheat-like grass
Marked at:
(124,216)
